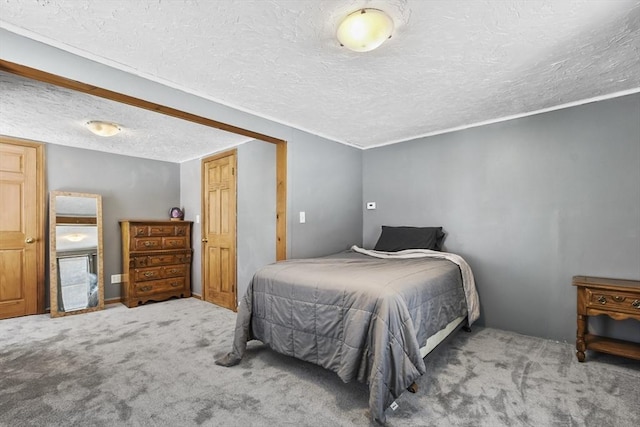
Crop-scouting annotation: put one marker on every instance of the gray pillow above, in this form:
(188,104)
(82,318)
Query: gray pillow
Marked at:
(393,239)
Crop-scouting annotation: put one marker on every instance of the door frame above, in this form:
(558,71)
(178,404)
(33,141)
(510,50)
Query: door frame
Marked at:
(41,213)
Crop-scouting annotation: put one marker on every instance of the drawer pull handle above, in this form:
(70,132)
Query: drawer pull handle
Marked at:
(175,284)
(145,288)
(602,300)
(147,244)
(173,270)
(148,274)
(618,298)
(636,303)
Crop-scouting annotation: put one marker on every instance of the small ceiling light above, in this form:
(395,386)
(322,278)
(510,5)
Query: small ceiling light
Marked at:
(103,128)
(364,30)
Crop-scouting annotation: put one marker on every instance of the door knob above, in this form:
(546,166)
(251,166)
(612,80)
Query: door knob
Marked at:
(29,240)
(205,240)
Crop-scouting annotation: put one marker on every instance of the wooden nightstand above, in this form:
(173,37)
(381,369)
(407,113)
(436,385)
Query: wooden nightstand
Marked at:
(618,299)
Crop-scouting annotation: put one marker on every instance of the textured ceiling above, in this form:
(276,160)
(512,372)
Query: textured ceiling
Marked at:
(42,112)
(449,64)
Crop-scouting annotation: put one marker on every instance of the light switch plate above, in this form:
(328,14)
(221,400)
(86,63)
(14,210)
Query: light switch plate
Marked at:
(116,278)
(303,218)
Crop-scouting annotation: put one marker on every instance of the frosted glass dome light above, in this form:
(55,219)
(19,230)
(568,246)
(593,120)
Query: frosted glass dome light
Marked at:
(103,128)
(364,29)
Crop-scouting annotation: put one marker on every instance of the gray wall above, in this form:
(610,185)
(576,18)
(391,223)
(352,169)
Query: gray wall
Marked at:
(324,181)
(130,188)
(190,200)
(256,209)
(256,201)
(529,203)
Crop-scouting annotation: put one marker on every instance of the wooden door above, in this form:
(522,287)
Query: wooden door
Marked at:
(219,229)
(21,230)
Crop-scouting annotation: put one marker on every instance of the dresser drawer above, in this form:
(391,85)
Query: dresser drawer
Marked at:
(157,260)
(144,274)
(140,231)
(181,230)
(624,302)
(148,243)
(174,242)
(175,271)
(159,286)
(161,230)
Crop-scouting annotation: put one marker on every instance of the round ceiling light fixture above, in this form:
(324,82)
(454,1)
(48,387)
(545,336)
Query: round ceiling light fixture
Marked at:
(364,29)
(103,128)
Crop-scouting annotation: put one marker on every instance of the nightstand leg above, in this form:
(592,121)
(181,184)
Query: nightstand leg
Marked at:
(580,344)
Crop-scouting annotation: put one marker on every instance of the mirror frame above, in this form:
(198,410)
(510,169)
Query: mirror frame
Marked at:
(53,265)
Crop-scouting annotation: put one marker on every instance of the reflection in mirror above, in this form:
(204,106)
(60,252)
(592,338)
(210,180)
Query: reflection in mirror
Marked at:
(76,277)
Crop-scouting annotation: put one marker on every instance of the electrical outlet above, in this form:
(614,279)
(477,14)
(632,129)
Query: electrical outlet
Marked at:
(116,278)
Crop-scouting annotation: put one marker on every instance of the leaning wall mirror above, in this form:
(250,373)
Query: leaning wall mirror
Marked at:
(75,253)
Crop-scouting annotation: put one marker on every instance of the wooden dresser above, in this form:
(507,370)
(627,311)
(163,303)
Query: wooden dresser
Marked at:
(618,299)
(156,258)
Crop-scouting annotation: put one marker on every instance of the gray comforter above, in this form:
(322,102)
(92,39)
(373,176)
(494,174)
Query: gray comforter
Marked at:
(362,317)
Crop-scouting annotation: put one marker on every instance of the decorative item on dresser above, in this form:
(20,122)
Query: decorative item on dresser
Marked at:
(156,257)
(618,299)
(176,214)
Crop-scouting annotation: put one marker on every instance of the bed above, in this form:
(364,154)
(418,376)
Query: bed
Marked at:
(369,316)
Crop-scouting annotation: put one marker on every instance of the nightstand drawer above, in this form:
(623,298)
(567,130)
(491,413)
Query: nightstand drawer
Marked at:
(624,302)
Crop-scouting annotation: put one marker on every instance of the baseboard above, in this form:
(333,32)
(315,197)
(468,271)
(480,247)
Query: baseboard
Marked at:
(196,296)
(106,302)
